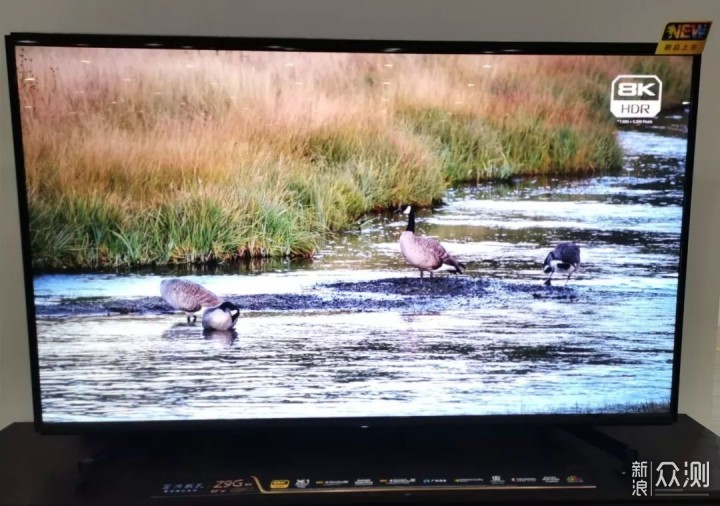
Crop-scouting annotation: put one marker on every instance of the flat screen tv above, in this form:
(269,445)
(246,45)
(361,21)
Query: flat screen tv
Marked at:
(230,232)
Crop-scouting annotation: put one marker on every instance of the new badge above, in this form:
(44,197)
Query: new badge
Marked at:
(684,38)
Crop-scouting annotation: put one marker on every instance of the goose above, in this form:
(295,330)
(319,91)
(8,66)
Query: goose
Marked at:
(564,258)
(188,296)
(222,317)
(424,253)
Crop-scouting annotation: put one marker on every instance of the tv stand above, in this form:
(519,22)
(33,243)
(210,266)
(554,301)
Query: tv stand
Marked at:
(134,470)
(608,444)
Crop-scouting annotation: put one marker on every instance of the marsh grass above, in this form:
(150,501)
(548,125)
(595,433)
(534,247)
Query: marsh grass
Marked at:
(643,407)
(158,157)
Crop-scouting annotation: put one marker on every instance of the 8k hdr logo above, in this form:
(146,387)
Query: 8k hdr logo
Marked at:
(636,96)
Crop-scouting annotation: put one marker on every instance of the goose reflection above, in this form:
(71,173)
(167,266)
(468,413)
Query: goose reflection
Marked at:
(194,332)
(223,337)
(182,330)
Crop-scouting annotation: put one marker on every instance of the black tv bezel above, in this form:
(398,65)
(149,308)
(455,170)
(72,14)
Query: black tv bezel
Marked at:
(24,39)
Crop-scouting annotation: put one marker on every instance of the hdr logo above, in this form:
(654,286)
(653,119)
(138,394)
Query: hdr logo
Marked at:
(636,96)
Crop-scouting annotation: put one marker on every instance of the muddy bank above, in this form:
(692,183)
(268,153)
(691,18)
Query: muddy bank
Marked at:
(397,294)
(444,286)
(268,303)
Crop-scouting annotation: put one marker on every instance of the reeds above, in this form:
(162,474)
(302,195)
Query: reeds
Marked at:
(153,156)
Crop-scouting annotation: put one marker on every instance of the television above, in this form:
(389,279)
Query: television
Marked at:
(243,232)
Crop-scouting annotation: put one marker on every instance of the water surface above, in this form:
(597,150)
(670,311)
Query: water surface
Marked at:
(493,341)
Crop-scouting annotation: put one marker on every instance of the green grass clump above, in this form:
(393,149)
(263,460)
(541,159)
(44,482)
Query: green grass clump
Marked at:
(468,148)
(472,149)
(194,229)
(281,215)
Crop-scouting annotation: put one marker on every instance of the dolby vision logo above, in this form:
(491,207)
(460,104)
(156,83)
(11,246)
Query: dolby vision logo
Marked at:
(636,96)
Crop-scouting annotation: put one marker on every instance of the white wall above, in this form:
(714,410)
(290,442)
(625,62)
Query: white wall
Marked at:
(526,20)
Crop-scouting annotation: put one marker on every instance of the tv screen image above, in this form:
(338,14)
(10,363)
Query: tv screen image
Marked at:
(267,234)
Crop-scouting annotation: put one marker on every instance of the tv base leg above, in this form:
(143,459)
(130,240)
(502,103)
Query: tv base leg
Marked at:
(608,444)
(88,466)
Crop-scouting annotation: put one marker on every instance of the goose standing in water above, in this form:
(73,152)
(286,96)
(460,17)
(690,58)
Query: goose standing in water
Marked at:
(424,253)
(222,317)
(188,296)
(565,258)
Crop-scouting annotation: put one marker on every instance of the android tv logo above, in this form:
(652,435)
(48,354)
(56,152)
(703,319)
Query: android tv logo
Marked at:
(636,96)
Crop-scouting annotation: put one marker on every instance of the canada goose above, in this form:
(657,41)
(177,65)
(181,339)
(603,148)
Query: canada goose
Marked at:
(564,258)
(424,253)
(188,296)
(222,317)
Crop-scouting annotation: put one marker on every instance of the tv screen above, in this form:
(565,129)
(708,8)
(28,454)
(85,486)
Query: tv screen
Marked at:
(250,231)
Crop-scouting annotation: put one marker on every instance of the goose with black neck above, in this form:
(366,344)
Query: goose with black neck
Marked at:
(424,253)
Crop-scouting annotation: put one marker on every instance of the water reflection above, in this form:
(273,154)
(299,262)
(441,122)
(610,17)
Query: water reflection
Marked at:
(185,331)
(182,330)
(223,337)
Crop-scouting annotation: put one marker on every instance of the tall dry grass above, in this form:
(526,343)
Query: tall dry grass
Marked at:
(161,156)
